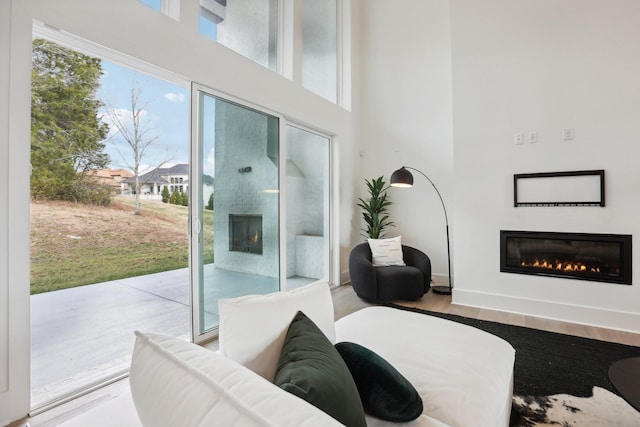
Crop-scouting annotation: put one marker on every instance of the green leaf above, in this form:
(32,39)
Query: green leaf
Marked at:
(374,209)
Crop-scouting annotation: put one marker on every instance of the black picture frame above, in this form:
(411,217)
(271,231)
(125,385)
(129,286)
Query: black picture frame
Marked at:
(597,172)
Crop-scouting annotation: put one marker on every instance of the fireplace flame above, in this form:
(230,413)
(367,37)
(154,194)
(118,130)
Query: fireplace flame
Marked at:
(256,237)
(558,265)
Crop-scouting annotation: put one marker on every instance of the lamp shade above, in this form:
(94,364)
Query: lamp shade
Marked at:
(401,178)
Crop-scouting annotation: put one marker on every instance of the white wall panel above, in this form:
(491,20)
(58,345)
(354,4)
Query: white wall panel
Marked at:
(544,66)
(5,31)
(15,50)
(407,115)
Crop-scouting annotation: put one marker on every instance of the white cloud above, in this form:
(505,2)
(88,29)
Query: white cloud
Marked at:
(118,115)
(210,164)
(174,97)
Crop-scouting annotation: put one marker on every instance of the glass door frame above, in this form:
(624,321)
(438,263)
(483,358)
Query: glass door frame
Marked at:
(331,259)
(196,204)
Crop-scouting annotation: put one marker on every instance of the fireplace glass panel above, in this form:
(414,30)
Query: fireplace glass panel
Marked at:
(595,257)
(245,233)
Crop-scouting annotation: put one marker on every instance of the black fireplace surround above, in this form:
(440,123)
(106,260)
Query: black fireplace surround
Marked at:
(583,256)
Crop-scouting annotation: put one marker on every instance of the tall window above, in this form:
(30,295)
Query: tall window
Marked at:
(307,206)
(237,245)
(320,47)
(93,260)
(249,27)
(238,239)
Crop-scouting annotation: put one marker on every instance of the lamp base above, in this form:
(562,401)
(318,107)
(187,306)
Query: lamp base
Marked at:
(441,290)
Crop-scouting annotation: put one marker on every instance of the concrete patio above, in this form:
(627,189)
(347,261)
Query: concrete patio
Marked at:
(84,335)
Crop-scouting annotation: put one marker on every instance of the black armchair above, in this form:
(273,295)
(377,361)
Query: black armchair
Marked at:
(385,284)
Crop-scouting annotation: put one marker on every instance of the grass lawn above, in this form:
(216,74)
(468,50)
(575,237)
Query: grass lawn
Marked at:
(74,244)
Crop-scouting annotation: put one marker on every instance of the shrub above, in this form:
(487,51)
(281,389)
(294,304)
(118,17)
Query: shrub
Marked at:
(165,195)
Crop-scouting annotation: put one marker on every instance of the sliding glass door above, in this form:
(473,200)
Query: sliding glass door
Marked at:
(259,205)
(307,190)
(235,205)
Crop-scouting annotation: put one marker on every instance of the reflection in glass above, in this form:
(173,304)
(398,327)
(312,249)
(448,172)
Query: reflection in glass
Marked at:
(307,190)
(319,48)
(240,236)
(248,27)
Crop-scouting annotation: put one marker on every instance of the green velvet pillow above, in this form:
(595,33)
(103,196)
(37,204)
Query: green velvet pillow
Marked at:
(312,369)
(384,392)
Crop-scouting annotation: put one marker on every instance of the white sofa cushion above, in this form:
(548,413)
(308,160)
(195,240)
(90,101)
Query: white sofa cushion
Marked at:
(385,252)
(253,328)
(463,375)
(177,383)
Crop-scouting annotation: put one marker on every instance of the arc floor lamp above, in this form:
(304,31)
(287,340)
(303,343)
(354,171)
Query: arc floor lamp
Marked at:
(403,178)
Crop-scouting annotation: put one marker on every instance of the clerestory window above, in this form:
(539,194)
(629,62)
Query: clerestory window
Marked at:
(248,27)
(168,7)
(320,48)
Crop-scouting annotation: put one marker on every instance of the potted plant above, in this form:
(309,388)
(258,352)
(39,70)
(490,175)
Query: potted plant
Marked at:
(374,209)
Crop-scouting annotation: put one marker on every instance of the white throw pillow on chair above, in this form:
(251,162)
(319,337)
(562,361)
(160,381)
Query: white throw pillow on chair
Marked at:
(385,252)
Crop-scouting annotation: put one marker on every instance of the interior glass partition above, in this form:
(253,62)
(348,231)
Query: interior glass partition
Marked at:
(235,211)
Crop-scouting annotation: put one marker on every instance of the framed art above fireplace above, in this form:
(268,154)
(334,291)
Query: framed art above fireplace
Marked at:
(574,188)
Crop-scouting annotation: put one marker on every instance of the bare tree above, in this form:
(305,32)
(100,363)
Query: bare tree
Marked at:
(136,131)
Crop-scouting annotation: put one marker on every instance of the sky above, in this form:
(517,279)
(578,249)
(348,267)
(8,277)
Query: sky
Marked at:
(166,113)
(166,116)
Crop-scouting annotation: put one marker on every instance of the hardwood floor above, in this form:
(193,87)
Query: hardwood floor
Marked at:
(345,302)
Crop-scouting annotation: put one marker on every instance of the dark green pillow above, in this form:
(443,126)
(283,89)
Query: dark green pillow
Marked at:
(384,392)
(312,369)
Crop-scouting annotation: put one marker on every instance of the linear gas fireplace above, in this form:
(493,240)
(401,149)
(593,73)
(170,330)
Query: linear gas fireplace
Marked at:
(245,233)
(595,257)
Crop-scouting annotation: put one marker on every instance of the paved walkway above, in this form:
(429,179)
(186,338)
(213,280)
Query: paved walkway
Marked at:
(85,334)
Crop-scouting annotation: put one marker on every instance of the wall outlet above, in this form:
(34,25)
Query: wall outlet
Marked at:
(533,137)
(568,134)
(518,138)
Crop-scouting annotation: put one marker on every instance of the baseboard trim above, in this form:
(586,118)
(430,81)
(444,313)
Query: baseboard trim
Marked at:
(439,279)
(584,315)
(345,278)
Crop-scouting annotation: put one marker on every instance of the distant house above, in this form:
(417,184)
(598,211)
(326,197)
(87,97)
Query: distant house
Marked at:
(174,178)
(112,177)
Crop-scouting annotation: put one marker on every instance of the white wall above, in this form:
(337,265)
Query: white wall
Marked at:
(130,27)
(541,66)
(407,118)
(5,27)
(504,67)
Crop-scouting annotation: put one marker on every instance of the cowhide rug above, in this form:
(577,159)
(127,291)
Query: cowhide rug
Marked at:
(602,409)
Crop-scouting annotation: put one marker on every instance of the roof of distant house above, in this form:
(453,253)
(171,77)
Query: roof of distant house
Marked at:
(159,175)
(113,173)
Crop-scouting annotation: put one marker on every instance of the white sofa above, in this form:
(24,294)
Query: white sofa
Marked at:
(463,375)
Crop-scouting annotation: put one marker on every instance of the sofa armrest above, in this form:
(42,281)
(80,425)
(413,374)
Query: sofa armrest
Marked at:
(362,272)
(177,383)
(420,260)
